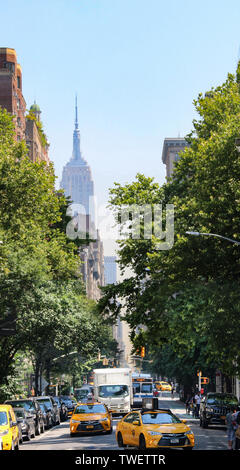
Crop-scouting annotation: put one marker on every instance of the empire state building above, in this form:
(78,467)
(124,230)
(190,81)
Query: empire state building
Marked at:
(78,184)
(76,176)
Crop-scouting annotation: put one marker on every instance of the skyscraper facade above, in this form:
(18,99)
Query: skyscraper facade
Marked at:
(110,269)
(78,184)
(76,176)
(170,154)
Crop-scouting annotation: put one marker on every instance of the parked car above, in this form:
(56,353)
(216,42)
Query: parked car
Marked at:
(51,406)
(47,415)
(62,408)
(26,423)
(20,436)
(214,408)
(83,395)
(67,400)
(32,406)
(9,433)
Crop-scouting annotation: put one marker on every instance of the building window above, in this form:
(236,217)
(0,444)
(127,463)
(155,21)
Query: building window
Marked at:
(19,82)
(9,66)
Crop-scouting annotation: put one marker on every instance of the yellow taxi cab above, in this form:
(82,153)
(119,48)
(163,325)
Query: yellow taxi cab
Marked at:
(8,428)
(163,386)
(148,429)
(90,417)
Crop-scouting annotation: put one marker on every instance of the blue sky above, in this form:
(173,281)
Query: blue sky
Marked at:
(136,67)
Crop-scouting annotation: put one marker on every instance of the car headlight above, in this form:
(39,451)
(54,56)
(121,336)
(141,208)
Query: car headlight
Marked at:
(75,421)
(154,433)
(104,419)
(3,433)
(188,432)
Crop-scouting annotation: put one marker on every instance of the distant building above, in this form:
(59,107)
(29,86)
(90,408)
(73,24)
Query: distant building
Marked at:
(110,269)
(78,185)
(76,176)
(11,97)
(170,154)
(35,137)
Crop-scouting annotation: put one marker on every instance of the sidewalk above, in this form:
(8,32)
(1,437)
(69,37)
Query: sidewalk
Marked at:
(177,407)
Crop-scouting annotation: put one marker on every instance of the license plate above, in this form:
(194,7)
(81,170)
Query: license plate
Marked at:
(174,441)
(89,427)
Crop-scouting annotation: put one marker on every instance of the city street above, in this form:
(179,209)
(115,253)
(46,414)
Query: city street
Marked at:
(58,438)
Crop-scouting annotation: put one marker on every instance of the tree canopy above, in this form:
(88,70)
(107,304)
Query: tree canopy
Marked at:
(187,297)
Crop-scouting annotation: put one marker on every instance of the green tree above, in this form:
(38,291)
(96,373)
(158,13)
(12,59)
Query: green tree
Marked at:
(203,271)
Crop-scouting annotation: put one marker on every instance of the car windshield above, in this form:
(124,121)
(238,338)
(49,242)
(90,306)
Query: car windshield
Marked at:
(222,400)
(87,409)
(43,406)
(136,387)
(82,393)
(159,418)
(3,418)
(113,390)
(46,401)
(19,413)
(66,399)
(28,404)
(147,388)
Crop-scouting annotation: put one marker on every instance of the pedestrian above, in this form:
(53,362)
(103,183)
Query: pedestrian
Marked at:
(197,403)
(188,404)
(236,425)
(231,427)
(172,390)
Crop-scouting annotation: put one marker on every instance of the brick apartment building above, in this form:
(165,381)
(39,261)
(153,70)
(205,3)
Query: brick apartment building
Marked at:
(11,98)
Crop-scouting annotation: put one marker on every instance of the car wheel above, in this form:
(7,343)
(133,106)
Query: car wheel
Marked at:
(120,440)
(204,424)
(142,442)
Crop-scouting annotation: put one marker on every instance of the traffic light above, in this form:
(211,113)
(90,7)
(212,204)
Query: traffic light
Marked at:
(142,351)
(204,380)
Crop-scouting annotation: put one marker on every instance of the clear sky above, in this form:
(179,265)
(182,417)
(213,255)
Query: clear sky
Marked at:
(135,65)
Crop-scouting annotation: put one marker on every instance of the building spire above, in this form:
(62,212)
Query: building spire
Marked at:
(76,154)
(76,113)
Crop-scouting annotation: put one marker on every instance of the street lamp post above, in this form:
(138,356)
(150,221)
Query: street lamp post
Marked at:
(213,235)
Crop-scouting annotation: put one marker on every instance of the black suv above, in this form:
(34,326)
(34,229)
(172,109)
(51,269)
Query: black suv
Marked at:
(215,406)
(62,408)
(52,407)
(32,406)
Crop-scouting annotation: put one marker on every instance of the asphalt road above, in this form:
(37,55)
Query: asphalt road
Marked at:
(58,438)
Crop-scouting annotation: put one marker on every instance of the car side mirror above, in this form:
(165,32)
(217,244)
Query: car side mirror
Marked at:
(184,421)
(136,423)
